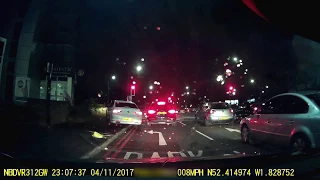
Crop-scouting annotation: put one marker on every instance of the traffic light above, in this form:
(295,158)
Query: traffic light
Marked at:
(133,90)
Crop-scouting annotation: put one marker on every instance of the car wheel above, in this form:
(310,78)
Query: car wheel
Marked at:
(231,123)
(174,124)
(300,143)
(140,128)
(206,123)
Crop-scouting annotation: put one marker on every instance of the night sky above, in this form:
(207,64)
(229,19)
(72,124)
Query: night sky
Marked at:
(192,35)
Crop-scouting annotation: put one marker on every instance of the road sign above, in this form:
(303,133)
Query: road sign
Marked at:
(80,72)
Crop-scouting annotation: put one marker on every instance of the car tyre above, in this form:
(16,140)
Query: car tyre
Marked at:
(174,124)
(206,123)
(300,143)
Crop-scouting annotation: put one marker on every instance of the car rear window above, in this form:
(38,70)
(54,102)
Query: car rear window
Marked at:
(126,105)
(219,106)
(315,98)
(162,107)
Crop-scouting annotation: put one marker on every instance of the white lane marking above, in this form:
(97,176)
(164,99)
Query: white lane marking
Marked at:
(171,154)
(182,123)
(233,130)
(98,149)
(200,152)
(202,134)
(128,154)
(155,155)
(237,152)
(162,141)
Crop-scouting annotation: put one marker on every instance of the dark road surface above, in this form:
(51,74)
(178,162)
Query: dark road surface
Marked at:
(188,139)
(75,141)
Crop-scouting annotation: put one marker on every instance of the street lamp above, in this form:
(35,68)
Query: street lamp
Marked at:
(112,78)
(252,80)
(142,59)
(150,87)
(187,87)
(139,68)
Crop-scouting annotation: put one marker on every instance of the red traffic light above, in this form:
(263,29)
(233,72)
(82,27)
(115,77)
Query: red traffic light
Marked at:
(133,87)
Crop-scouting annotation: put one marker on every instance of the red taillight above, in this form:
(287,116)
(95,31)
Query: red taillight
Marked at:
(151,111)
(212,111)
(172,111)
(116,111)
(231,110)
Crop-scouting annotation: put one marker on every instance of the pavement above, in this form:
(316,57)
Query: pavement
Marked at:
(68,141)
(75,141)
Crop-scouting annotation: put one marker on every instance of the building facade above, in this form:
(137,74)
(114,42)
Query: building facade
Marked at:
(45,33)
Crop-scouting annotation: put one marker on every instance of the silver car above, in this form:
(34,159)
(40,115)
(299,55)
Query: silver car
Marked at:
(214,112)
(124,112)
(290,119)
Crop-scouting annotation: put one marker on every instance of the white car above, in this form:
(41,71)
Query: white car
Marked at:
(124,112)
(289,119)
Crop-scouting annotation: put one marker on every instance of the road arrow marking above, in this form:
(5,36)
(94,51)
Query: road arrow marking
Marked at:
(162,141)
(233,130)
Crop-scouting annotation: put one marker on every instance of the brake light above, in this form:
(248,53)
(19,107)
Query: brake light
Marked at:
(161,103)
(116,111)
(151,111)
(139,112)
(172,111)
(231,110)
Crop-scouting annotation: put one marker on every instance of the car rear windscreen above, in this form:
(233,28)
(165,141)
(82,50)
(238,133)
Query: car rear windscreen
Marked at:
(126,105)
(219,106)
(165,107)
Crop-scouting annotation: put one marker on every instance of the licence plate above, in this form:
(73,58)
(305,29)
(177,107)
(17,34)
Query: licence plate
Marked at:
(223,118)
(162,122)
(127,119)
(159,113)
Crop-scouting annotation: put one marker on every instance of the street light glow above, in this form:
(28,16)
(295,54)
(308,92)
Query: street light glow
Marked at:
(142,59)
(235,59)
(252,80)
(187,87)
(150,87)
(139,68)
(219,78)
(113,77)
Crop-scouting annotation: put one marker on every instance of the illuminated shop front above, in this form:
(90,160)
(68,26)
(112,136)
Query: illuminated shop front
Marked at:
(62,85)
